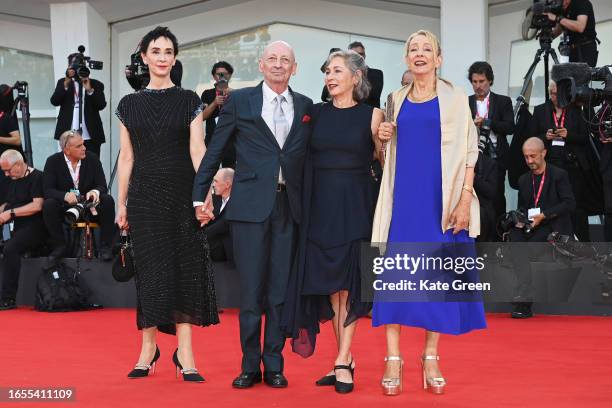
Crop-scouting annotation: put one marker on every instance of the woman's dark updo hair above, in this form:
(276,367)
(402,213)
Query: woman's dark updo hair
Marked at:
(156,33)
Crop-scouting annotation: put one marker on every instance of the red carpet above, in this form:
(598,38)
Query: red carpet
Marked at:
(547,361)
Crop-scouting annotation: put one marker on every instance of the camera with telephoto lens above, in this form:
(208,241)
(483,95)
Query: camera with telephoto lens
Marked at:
(82,64)
(79,211)
(515,219)
(539,9)
(484,133)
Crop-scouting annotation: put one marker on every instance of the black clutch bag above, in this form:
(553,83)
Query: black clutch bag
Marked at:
(123,265)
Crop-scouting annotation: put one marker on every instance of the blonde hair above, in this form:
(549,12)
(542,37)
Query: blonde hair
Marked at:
(427,34)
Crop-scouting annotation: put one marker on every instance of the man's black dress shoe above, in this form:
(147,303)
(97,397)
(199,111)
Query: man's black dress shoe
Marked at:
(275,379)
(247,380)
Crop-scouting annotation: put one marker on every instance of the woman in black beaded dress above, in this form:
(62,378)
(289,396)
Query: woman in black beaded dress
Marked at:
(162,144)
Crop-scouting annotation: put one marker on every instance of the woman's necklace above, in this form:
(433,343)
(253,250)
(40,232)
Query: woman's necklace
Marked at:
(427,97)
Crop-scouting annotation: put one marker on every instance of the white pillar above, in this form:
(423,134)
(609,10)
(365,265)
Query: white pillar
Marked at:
(464,37)
(74,24)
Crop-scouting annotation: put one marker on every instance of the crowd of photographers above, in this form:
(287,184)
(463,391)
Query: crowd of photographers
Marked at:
(555,160)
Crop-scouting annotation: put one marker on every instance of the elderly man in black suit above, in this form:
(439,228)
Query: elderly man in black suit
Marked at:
(495,112)
(69,176)
(546,197)
(218,230)
(68,91)
(269,126)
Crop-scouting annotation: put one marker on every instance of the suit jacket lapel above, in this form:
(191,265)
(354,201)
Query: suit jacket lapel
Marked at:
(492,105)
(473,107)
(298,108)
(65,171)
(256,102)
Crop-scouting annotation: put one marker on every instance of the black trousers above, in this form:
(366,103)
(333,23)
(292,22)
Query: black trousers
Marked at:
(264,253)
(24,238)
(92,146)
(499,201)
(585,53)
(53,214)
(522,254)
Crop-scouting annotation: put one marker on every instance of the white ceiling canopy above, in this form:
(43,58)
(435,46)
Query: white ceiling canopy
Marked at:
(122,10)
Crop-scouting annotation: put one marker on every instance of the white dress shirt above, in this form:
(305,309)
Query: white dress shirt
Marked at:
(267,112)
(223,203)
(75,115)
(267,108)
(75,174)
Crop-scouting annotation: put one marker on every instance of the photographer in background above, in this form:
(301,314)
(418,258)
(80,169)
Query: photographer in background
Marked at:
(578,21)
(485,185)
(21,210)
(9,126)
(68,92)
(10,137)
(566,139)
(72,176)
(546,198)
(494,118)
(214,99)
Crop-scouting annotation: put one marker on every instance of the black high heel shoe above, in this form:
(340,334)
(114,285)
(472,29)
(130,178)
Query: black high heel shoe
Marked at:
(326,380)
(141,371)
(342,387)
(189,374)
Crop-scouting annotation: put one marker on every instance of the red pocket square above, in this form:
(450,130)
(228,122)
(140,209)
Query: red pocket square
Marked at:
(306,119)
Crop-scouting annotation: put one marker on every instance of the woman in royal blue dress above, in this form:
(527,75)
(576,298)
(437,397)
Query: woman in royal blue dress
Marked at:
(426,196)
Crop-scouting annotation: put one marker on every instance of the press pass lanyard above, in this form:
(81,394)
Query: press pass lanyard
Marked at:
(559,123)
(536,198)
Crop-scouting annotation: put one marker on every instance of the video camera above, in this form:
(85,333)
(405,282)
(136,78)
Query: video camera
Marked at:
(137,73)
(573,80)
(79,211)
(82,64)
(540,7)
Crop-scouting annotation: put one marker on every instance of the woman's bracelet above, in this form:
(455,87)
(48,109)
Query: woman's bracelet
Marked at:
(468,188)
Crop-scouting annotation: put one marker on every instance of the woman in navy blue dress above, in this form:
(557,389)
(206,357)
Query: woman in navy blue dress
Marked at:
(427,197)
(337,220)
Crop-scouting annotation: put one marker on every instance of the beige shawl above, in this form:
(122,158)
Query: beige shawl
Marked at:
(459,150)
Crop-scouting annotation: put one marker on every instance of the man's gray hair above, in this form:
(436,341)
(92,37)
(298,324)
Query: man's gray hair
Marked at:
(65,137)
(227,173)
(11,156)
(356,64)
